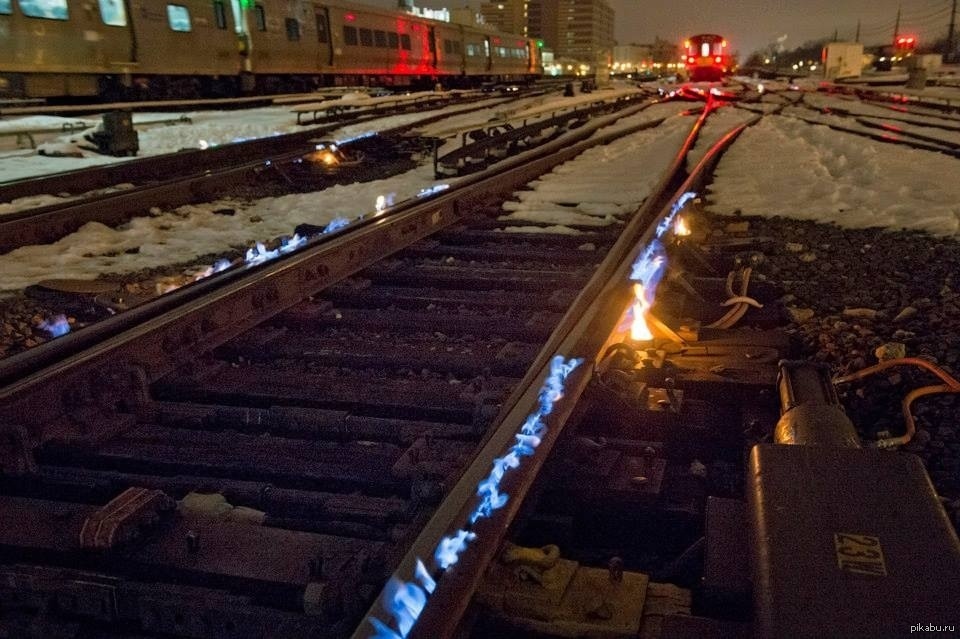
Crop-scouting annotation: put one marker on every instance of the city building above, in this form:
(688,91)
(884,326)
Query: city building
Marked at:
(579,32)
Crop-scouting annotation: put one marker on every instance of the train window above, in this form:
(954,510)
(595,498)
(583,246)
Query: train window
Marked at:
(380,38)
(456,47)
(178,17)
(219,14)
(366,38)
(447,47)
(6,7)
(322,35)
(405,41)
(111,12)
(350,35)
(393,40)
(293,29)
(50,9)
(260,15)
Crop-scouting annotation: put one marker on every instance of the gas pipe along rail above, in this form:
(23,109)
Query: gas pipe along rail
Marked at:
(181,397)
(432,587)
(167,180)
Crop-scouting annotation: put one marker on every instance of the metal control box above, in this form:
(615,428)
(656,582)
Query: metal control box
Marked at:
(848,542)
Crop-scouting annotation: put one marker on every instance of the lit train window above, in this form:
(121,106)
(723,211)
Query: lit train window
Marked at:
(112,13)
(705,49)
(293,29)
(6,7)
(179,18)
(50,9)
(393,40)
(350,36)
(366,38)
(405,41)
(219,13)
(380,38)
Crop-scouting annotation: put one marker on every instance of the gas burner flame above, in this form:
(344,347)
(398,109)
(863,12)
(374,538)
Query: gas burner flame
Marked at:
(384,202)
(336,224)
(680,228)
(55,326)
(639,330)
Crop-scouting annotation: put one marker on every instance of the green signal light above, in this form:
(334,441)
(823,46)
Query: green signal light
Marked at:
(246,4)
(540,43)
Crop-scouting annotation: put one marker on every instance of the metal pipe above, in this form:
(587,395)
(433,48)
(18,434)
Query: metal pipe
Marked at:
(810,411)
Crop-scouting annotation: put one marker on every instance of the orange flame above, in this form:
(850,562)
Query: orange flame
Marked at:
(639,330)
(680,228)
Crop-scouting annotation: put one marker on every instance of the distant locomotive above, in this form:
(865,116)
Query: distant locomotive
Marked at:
(706,57)
(186,48)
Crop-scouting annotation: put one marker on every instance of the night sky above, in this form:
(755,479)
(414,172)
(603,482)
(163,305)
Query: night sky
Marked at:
(752,24)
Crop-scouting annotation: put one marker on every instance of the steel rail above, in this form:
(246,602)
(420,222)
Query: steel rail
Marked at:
(605,290)
(115,356)
(48,224)
(888,138)
(156,167)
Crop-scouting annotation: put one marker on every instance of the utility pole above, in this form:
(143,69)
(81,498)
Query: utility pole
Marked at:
(951,46)
(835,31)
(896,27)
(856,38)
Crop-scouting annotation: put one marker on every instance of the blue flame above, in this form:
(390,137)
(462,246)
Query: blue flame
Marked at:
(290,244)
(433,190)
(648,268)
(667,222)
(368,134)
(406,600)
(56,326)
(336,224)
(449,549)
(259,254)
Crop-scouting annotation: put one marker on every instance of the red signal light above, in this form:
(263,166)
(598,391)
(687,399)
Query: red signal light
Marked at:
(349,17)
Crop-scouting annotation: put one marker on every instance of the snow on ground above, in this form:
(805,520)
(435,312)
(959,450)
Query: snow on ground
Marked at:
(194,230)
(190,231)
(813,116)
(720,122)
(782,166)
(601,183)
(856,107)
(786,167)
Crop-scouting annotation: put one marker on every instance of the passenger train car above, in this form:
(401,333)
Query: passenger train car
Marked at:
(706,57)
(185,48)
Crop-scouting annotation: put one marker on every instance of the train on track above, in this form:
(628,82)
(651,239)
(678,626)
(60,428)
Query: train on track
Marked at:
(706,57)
(187,48)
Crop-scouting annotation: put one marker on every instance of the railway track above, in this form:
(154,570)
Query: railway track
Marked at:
(170,180)
(394,403)
(336,411)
